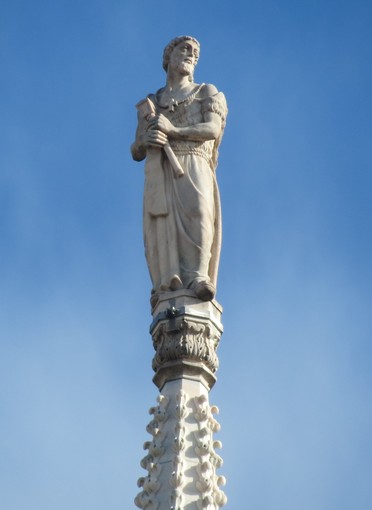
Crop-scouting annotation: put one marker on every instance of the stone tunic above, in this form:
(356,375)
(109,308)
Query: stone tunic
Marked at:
(182,215)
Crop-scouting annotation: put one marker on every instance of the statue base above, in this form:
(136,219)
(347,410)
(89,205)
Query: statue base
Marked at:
(181,460)
(186,333)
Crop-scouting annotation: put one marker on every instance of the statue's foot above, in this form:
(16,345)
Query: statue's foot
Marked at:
(204,290)
(175,283)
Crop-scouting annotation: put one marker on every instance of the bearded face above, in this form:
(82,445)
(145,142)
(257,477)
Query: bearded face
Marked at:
(183,58)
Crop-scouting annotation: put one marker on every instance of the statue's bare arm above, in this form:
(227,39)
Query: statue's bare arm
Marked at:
(158,129)
(207,130)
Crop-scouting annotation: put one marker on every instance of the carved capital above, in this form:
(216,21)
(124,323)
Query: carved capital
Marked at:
(186,339)
(185,333)
(185,347)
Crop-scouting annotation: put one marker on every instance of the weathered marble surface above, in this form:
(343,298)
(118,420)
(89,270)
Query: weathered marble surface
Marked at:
(186,333)
(181,459)
(179,131)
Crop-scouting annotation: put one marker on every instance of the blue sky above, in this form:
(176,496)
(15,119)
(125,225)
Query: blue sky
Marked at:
(294,387)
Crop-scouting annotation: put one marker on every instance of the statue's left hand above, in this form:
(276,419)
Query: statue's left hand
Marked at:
(161,123)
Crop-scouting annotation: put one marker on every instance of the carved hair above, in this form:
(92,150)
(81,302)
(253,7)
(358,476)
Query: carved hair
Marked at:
(174,42)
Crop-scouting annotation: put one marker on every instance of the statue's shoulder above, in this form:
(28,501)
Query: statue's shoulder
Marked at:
(207,90)
(153,96)
(156,98)
(213,100)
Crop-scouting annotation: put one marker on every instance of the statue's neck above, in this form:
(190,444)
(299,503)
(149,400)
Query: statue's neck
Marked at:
(177,89)
(177,81)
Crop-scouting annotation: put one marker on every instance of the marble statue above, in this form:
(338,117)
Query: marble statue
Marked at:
(179,130)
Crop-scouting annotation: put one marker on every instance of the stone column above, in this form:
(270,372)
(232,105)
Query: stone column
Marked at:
(181,459)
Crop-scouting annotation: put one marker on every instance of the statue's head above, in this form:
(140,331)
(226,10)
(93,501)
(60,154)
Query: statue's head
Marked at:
(168,50)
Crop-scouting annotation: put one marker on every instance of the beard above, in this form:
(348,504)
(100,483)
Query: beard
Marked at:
(185,68)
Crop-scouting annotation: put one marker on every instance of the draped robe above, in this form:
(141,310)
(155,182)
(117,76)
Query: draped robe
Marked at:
(182,215)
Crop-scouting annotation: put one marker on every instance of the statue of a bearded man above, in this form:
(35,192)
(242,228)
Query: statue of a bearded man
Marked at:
(179,130)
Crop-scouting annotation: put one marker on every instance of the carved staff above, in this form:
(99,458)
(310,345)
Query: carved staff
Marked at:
(147,109)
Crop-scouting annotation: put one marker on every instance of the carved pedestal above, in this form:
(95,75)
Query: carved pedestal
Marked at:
(181,459)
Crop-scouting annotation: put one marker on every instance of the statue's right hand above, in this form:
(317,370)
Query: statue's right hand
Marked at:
(154,138)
